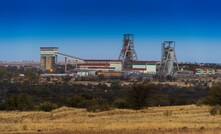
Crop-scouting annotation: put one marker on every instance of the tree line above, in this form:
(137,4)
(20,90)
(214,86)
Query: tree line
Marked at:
(101,97)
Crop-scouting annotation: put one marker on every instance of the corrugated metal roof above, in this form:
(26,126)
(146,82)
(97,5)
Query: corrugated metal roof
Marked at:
(101,67)
(87,64)
(137,69)
(102,60)
(48,47)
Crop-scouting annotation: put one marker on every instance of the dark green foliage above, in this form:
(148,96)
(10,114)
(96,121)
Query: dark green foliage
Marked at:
(46,106)
(137,97)
(100,77)
(78,101)
(97,105)
(202,101)
(89,96)
(92,104)
(20,102)
(116,85)
(32,76)
(120,103)
(3,74)
(102,86)
(215,110)
(214,97)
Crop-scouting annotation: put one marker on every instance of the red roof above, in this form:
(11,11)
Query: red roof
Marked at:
(148,62)
(82,64)
(100,60)
(101,67)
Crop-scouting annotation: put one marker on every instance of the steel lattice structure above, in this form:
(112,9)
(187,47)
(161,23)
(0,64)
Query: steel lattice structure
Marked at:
(128,53)
(168,59)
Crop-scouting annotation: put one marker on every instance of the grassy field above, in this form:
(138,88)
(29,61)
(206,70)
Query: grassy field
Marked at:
(183,119)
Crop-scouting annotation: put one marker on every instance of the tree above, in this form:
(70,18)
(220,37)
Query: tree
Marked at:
(3,73)
(214,97)
(20,102)
(115,85)
(120,103)
(32,76)
(137,97)
(46,106)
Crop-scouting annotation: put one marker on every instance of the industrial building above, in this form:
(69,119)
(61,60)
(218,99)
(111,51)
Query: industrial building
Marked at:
(205,71)
(48,58)
(127,61)
(101,65)
(148,67)
(91,66)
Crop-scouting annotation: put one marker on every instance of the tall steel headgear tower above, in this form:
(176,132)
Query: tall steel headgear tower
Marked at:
(128,53)
(168,59)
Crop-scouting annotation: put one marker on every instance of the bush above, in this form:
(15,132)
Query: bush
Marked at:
(76,101)
(115,85)
(167,113)
(93,108)
(214,97)
(137,97)
(22,102)
(215,110)
(202,101)
(97,105)
(46,106)
(120,103)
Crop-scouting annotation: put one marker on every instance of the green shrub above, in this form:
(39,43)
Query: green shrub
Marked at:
(22,102)
(76,101)
(120,103)
(137,96)
(93,108)
(214,97)
(116,85)
(215,110)
(97,105)
(46,106)
(202,101)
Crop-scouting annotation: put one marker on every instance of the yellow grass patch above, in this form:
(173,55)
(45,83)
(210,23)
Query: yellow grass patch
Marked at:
(191,119)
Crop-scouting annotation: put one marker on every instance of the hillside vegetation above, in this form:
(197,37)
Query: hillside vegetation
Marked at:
(174,119)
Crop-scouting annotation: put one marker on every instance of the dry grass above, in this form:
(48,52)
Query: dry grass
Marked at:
(184,119)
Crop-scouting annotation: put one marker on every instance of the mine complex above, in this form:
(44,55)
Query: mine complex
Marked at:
(126,63)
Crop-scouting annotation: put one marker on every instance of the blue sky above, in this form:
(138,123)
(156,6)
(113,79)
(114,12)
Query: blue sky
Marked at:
(95,28)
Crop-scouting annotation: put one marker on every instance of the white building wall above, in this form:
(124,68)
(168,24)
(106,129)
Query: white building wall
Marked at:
(151,69)
(116,65)
(139,66)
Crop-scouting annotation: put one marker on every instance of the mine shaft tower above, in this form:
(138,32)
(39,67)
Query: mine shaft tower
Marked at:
(128,53)
(168,59)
